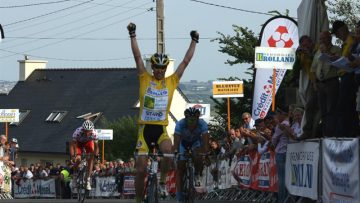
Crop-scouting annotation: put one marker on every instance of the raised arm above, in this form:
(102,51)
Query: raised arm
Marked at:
(189,54)
(135,49)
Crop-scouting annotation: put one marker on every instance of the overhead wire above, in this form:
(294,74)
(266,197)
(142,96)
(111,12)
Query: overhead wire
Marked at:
(50,44)
(54,19)
(34,4)
(233,8)
(106,4)
(76,21)
(46,14)
(102,39)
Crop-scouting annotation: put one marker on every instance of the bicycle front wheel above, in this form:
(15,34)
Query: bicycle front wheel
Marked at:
(188,188)
(152,190)
(81,191)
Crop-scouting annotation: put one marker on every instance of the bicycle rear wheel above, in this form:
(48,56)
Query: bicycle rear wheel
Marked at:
(188,187)
(152,190)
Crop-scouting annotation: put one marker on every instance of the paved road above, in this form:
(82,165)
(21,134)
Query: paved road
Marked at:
(94,201)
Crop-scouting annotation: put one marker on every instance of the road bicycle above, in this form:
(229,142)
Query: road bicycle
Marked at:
(82,192)
(151,190)
(188,180)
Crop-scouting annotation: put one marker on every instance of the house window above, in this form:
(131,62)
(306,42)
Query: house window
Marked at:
(22,115)
(56,116)
(94,117)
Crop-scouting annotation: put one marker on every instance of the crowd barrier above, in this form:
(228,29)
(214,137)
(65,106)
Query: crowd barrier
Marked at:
(326,170)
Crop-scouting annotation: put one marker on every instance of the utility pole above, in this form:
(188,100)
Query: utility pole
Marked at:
(160,35)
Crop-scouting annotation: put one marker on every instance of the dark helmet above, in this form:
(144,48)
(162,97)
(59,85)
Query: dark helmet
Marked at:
(159,60)
(190,112)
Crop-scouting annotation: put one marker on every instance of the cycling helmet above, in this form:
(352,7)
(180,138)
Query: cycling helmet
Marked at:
(190,112)
(159,60)
(88,125)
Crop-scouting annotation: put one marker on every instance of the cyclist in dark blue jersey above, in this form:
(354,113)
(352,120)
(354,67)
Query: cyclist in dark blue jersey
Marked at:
(190,132)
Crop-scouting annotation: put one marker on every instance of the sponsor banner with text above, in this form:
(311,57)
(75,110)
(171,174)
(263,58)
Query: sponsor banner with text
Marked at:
(341,170)
(35,188)
(223,89)
(301,174)
(280,32)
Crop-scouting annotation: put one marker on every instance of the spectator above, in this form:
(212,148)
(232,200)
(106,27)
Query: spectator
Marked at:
(307,91)
(296,125)
(355,63)
(27,173)
(248,130)
(65,182)
(327,83)
(42,172)
(4,151)
(54,171)
(263,135)
(348,121)
(280,140)
(120,170)
(13,150)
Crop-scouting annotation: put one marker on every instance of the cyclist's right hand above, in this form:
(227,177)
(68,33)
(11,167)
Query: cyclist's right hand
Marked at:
(132,29)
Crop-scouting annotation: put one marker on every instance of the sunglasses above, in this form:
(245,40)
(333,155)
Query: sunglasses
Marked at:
(160,67)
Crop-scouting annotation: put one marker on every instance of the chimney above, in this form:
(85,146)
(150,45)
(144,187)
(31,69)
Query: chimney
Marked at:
(170,69)
(26,67)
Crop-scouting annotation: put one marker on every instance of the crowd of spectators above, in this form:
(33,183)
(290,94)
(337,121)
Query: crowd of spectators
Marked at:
(62,173)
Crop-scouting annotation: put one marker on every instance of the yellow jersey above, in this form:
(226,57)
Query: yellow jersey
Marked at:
(155,98)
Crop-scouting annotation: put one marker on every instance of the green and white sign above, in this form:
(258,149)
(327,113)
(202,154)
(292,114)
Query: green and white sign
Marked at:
(104,134)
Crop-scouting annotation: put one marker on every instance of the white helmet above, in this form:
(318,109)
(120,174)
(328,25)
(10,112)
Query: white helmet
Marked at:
(88,125)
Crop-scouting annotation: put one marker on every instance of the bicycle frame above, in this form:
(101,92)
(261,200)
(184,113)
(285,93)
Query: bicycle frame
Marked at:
(188,187)
(151,189)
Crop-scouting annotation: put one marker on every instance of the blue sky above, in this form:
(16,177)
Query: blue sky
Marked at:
(92,34)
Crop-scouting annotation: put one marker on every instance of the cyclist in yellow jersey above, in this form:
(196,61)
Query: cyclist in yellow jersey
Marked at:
(155,97)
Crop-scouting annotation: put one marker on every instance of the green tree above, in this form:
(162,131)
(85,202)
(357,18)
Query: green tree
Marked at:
(241,49)
(124,137)
(346,10)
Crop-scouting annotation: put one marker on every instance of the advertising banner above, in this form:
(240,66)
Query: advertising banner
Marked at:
(281,32)
(223,89)
(265,176)
(104,134)
(301,174)
(106,187)
(35,188)
(273,57)
(5,177)
(341,170)
(129,185)
(243,171)
(9,115)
